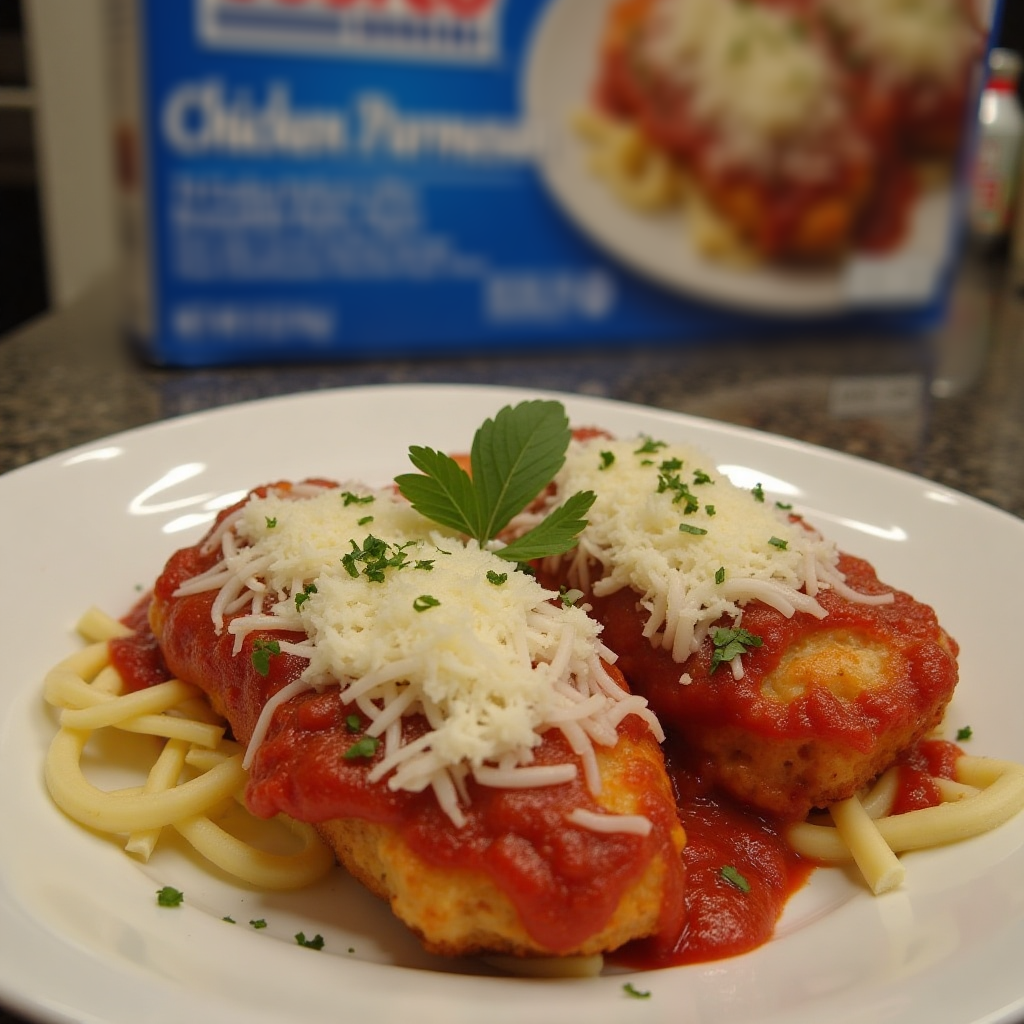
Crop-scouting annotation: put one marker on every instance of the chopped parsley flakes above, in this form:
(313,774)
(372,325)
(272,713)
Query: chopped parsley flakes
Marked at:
(375,557)
(262,650)
(355,499)
(635,993)
(365,747)
(650,446)
(168,896)
(734,878)
(730,643)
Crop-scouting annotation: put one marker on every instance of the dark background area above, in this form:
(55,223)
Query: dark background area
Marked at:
(22,262)
(23,290)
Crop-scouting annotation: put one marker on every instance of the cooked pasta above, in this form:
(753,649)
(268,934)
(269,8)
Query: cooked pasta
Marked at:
(639,174)
(643,178)
(986,793)
(194,773)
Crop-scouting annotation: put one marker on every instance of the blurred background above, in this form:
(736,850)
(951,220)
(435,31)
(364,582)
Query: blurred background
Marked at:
(57,207)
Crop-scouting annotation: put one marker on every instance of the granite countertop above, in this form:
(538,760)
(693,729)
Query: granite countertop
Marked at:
(948,406)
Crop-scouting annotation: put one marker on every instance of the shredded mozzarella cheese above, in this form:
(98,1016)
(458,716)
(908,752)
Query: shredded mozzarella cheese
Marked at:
(694,547)
(405,619)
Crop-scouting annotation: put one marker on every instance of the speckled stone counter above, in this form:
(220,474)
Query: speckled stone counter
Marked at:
(948,406)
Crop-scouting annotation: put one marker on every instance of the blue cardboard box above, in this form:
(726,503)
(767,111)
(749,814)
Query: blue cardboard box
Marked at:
(313,179)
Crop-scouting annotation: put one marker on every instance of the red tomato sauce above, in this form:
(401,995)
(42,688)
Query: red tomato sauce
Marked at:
(570,890)
(928,760)
(566,882)
(707,699)
(137,657)
(712,918)
(740,873)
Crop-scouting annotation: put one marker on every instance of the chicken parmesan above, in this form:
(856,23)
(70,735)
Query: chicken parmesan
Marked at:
(745,100)
(789,130)
(456,733)
(474,736)
(788,673)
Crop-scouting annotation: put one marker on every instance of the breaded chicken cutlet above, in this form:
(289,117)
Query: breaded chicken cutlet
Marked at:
(450,728)
(788,673)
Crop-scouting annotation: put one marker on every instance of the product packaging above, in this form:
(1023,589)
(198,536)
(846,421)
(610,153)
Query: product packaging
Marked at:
(321,179)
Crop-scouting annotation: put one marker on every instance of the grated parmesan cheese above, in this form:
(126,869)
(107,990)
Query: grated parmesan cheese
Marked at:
(694,546)
(406,619)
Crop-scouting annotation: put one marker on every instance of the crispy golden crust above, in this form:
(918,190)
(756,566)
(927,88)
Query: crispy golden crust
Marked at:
(788,775)
(463,912)
(821,707)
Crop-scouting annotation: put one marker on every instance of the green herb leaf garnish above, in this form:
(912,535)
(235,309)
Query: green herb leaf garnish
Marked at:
(964,733)
(554,534)
(425,601)
(317,942)
(730,643)
(513,458)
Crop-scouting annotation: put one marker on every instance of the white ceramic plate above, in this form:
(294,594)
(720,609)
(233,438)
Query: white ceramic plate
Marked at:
(81,936)
(559,81)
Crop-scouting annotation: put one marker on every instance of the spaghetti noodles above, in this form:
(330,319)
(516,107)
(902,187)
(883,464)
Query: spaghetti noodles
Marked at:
(194,773)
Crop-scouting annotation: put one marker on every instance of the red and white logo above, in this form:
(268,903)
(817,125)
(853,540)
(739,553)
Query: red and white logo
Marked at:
(448,31)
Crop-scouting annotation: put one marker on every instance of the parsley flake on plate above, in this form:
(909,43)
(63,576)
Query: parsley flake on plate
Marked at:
(168,896)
